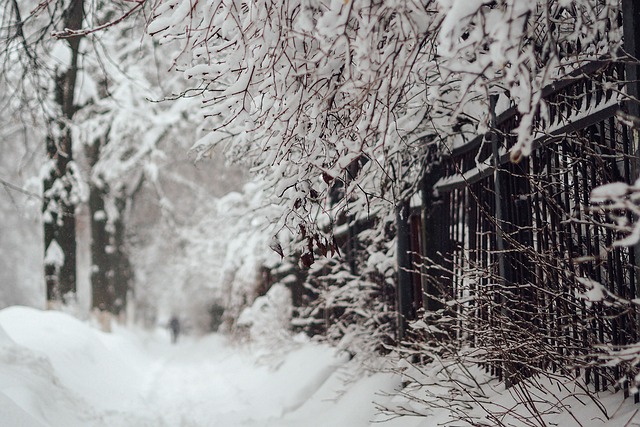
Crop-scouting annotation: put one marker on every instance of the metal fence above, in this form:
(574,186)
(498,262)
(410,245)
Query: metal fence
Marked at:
(511,251)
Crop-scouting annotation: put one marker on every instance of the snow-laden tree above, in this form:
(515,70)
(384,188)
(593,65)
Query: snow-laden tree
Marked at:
(340,105)
(39,77)
(87,94)
(315,95)
(322,92)
(121,131)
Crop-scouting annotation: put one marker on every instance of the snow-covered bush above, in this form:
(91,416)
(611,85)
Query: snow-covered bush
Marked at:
(268,319)
(351,298)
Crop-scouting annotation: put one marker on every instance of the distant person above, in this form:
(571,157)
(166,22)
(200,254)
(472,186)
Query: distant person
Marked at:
(174,327)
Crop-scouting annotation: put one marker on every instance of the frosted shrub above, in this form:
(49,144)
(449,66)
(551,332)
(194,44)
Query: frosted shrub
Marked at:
(268,320)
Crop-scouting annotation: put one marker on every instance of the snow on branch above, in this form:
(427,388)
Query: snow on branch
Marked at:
(306,90)
(620,202)
(68,33)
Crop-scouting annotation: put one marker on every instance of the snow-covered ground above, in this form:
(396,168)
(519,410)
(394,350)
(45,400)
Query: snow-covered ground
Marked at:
(58,371)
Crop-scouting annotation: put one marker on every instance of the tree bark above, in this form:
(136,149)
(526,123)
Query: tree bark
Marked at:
(100,265)
(60,195)
(122,271)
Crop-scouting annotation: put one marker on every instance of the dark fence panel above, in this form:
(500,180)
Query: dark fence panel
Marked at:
(519,259)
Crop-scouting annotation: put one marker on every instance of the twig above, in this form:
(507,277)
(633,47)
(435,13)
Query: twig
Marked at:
(14,187)
(68,33)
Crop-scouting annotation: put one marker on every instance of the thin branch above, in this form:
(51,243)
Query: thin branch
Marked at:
(10,186)
(69,33)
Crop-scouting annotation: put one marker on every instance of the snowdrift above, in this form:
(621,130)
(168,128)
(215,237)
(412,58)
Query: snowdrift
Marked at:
(56,371)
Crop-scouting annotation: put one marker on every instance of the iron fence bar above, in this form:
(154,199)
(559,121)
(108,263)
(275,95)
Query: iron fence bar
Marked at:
(404,286)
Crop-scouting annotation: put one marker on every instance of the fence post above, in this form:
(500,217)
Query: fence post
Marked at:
(405,283)
(631,45)
(631,34)
(436,270)
(505,278)
(497,183)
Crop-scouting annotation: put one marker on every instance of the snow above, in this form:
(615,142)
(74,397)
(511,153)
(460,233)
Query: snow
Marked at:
(100,216)
(54,255)
(58,371)
(594,290)
(268,312)
(608,191)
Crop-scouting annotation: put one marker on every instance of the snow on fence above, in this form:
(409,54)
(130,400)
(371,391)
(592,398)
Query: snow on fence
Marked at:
(514,254)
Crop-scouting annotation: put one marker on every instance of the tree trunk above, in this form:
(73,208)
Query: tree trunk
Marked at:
(111,271)
(101,297)
(60,191)
(122,271)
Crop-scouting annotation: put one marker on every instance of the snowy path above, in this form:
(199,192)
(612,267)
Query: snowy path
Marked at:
(208,382)
(57,371)
(203,380)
